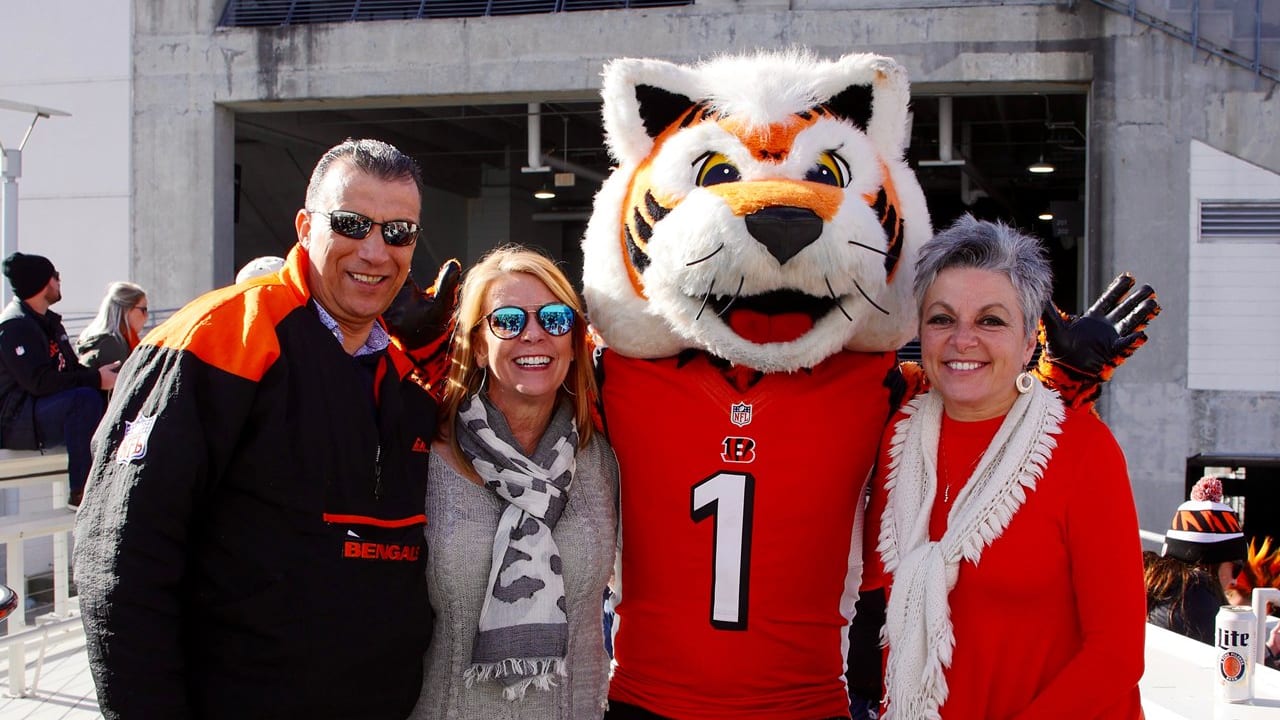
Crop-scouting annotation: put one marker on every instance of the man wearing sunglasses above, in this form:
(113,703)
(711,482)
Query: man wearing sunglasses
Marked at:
(251,543)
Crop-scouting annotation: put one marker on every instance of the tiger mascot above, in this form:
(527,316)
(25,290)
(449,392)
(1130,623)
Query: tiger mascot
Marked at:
(748,266)
(748,269)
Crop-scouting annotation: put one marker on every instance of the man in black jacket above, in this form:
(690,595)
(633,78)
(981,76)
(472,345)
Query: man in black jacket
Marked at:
(47,397)
(251,542)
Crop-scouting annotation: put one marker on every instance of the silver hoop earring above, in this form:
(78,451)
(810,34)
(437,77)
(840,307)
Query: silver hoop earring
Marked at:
(565,387)
(1024,382)
(484,378)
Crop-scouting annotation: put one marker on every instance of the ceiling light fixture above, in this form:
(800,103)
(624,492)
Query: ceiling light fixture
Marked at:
(1040,167)
(544,193)
(1045,216)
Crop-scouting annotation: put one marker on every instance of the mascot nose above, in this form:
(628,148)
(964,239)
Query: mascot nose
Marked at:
(784,230)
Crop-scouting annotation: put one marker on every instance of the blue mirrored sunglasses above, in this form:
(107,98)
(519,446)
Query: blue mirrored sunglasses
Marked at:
(509,321)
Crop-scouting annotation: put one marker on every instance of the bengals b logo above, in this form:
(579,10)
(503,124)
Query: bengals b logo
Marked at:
(739,450)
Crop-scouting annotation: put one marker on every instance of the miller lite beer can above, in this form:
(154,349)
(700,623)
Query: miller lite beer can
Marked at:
(1233,638)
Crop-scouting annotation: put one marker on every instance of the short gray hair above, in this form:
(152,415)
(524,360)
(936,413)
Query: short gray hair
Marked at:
(983,245)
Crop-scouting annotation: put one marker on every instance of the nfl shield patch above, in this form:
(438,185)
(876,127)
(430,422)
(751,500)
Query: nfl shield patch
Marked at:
(133,446)
(740,414)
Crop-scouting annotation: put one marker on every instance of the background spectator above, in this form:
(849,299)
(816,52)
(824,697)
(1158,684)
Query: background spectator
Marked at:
(259,266)
(1188,581)
(117,328)
(47,397)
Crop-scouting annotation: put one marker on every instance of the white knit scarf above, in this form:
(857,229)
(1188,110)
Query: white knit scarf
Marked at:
(523,633)
(917,628)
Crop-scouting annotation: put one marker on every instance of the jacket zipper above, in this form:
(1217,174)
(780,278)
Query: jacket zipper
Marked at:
(377,473)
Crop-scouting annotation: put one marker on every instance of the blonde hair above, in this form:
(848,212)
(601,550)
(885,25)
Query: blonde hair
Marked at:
(465,377)
(112,317)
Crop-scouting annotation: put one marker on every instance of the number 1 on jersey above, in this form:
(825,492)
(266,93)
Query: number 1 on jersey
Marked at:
(728,497)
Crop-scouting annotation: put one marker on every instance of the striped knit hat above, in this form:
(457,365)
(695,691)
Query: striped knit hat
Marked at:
(1204,529)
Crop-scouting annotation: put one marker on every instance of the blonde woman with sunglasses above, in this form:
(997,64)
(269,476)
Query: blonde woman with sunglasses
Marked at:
(521,505)
(117,328)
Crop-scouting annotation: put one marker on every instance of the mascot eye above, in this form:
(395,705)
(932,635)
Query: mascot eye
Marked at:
(716,169)
(830,170)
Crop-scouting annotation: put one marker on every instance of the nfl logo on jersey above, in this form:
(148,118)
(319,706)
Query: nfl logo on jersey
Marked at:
(740,414)
(133,446)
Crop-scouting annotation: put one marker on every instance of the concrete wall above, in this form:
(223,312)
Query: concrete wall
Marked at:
(1152,98)
(1149,98)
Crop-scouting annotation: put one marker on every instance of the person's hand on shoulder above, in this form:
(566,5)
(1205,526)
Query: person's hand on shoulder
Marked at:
(422,321)
(420,318)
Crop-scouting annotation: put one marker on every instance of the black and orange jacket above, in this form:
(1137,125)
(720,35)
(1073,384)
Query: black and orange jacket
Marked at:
(251,541)
(36,360)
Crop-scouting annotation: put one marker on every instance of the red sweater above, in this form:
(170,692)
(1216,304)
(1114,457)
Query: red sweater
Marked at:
(1050,623)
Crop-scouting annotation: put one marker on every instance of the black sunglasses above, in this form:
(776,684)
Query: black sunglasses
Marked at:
(509,321)
(398,233)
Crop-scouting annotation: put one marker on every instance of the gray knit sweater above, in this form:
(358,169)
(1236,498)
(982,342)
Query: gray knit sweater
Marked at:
(461,520)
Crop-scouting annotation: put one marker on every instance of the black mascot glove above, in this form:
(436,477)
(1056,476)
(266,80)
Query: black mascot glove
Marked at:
(1082,351)
(421,321)
(418,318)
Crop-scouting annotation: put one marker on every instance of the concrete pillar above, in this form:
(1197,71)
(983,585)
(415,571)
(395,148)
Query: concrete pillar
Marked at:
(183,234)
(489,216)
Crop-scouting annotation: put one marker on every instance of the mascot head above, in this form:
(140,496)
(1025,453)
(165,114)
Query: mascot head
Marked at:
(760,210)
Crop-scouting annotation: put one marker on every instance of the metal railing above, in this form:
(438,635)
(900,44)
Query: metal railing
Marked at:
(22,469)
(1194,37)
(75,322)
(260,13)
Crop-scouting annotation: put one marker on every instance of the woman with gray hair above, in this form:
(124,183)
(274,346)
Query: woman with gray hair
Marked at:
(117,328)
(1002,524)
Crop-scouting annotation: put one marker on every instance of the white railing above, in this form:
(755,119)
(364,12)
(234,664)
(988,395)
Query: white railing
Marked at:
(22,469)
(1151,540)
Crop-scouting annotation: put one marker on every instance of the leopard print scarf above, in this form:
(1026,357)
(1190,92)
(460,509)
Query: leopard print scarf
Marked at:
(523,633)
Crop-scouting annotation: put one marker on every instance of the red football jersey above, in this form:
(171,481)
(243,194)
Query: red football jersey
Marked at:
(740,555)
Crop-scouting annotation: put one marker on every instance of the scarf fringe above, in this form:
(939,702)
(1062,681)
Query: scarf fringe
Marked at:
(999,512)
(888,544)
(520,673)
